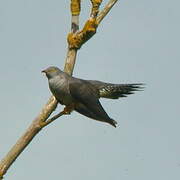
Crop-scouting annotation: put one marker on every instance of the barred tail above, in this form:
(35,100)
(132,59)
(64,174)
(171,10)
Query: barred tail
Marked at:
(115,91)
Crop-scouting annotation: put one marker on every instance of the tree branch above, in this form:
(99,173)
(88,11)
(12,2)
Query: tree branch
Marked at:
(46,111)
(42,119)
(26,138)
(105,11)
(76,40)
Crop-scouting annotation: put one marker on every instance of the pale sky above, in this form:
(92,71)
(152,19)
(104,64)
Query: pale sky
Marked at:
(137,42)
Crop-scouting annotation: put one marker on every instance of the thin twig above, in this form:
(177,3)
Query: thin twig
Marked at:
(105,11)
(52,119)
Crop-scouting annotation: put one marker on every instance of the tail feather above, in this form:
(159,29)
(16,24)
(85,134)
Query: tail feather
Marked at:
(115,91)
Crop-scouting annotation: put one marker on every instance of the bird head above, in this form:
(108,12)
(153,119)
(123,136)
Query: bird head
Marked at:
(51,71)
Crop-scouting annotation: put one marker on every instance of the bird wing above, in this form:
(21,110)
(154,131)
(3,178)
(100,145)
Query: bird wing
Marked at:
(84,93)
(114,91)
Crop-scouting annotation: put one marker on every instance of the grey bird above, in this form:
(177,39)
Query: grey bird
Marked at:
(83,95)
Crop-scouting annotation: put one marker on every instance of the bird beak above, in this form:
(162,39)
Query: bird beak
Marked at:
(43,71)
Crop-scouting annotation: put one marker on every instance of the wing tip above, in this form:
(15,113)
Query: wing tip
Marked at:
(113,123)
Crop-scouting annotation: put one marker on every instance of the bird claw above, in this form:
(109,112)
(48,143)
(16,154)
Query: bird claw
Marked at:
(65,112)
(68,109)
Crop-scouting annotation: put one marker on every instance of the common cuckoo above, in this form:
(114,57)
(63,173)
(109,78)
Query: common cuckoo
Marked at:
(83,95)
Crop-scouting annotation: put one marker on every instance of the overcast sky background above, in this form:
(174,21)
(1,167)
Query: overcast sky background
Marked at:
(137,42)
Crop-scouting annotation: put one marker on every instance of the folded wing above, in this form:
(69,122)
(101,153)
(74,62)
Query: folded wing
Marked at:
(87,100)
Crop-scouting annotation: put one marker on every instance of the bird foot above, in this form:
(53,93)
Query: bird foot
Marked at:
(68,109)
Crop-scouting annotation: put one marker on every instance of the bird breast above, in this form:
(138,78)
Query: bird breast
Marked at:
(60,89)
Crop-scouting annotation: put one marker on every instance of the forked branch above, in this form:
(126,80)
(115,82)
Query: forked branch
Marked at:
(75,40)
